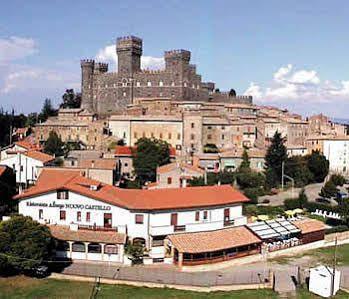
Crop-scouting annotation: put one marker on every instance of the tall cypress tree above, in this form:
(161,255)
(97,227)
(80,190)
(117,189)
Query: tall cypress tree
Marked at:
(276,154)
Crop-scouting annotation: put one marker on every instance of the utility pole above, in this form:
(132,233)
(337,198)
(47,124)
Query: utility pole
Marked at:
(11,134)
(334,267)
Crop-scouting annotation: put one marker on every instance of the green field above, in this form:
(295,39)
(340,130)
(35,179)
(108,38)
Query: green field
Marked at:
(24,287)
(321,255)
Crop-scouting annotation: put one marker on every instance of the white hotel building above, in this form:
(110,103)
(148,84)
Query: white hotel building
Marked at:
(94,221)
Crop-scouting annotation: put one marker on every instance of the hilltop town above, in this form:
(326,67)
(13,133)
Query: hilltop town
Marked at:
(161,169)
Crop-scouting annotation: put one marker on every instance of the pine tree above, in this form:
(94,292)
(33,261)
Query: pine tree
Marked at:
(276,155)
(245,164)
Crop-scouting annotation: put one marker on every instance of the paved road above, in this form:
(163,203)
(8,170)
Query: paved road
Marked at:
(168,274)
(312,191)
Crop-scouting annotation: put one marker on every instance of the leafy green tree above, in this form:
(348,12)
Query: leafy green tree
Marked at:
(297,168)
(32,119)
(337,179)
(318,165)
(329,190)
(253,193)
(54,145)
(24,244)
(302,198)
(47,110)
(275,156)
(135,252)
(250,179)
(300,202)
(71,99)
(147,156)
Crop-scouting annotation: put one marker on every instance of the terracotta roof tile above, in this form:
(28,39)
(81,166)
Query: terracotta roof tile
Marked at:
(39,156)
(135,199)
(213,240)
(127,150)
(62,232)
(309,225)
(98,163)
(171,166)
(28,145)
(2,169)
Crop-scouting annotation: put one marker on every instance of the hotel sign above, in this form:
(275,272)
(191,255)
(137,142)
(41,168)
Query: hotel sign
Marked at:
(69,206)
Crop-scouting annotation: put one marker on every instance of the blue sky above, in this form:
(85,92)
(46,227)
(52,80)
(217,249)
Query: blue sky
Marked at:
(291,54)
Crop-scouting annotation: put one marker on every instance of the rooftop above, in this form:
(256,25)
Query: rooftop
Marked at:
(309,225)
(174,165)
(213,240)
(63,232)
(51,180)
(121,150)
(44,158)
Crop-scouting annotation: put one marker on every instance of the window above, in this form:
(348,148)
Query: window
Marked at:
(139,219)
(172,84)
(135,134)
(107,220)
(94,248)
(41,214)
(124,94)
(222,136)
(185,84)
(110,249)
(138,84)
(148,83)
(178,136)
(205,215)
(161,83)
(88,216)
(169,135)
(169,181)
(192,136)
(192,125)
(78,247)
(223,127)
(78,216)
(160,135)
(174,218)
(209,136)
(197,216)
(152,135)
(62,215)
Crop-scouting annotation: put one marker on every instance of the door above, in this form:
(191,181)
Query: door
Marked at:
(107,220)
(174,218)
(226,215)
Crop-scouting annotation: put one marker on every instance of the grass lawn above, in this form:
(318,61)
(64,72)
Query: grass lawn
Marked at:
(25,287)
(320,255)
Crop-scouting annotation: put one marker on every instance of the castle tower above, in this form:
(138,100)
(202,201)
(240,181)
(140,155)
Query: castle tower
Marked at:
(129,50)
(87,69)
(177,61)
(100,68)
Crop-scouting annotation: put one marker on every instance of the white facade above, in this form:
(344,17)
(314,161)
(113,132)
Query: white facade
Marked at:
(121,129)
(336,152)
(26,168)
(46,208)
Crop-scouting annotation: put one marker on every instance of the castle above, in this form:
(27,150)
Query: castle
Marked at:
(106,92)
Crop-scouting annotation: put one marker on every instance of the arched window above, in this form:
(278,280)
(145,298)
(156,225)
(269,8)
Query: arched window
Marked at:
(94,248)
(161,83)
(111,249)
(78,247)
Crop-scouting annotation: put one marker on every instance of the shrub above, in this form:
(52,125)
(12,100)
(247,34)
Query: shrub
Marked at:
(250,179)
(253,193)
(337,179)
(291,203)
(329,190)
(312,206)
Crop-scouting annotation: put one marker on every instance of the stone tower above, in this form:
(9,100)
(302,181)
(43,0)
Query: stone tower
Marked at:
(177,61)
(129,50)
(87,70)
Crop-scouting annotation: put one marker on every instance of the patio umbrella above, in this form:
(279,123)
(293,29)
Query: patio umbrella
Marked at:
(289,213)
(263,217)
(298,211)
(253,218)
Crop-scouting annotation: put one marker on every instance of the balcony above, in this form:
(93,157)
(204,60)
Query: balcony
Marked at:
(196,227)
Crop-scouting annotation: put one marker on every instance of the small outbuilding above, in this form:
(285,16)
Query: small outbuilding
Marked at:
(323,282)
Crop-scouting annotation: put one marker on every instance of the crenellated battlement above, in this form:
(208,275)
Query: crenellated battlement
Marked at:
(129,38)
(87,62)
(101,67)
(178,54)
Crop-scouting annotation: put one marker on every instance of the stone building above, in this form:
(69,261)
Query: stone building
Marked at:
(109,92)
(74,125)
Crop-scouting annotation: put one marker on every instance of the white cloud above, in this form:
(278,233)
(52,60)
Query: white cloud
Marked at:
(23,78)
(108,54)
(15,48)
(302,90)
